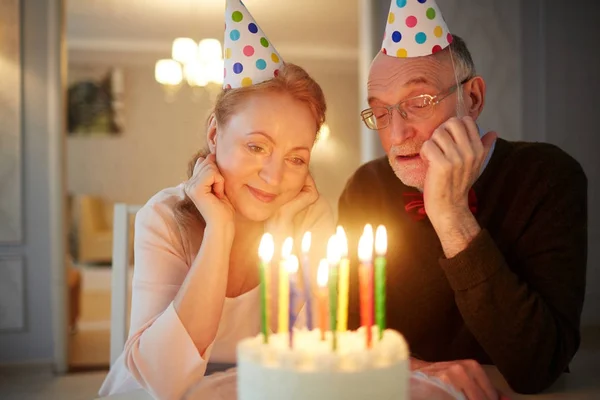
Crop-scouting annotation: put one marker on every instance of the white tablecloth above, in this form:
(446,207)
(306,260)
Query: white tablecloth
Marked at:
(222,386)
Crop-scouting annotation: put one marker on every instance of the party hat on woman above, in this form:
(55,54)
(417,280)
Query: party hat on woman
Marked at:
(415,28)
(250,57)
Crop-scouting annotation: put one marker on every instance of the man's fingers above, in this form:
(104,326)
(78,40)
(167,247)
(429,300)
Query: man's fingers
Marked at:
(482,379)
(462,380)
(472,130)
(433,155)
(443,138)
(460,133)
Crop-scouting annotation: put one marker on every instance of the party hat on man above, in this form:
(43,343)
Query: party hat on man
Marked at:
(415,28)
(250,58)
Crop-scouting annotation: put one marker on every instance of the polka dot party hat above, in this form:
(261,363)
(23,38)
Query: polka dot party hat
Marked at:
(415,28)
(250,58)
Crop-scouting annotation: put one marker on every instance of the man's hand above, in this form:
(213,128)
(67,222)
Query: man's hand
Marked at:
(466,376)
(454,155)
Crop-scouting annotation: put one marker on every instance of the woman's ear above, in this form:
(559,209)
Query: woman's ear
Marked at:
(211,134)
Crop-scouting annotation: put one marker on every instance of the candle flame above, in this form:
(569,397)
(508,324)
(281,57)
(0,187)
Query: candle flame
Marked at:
(286,249)
(365,247)
(381,240)
(333,250)
(323,273)
(368,231)
(292,264)
(266,248)
(306,239)
(342,241)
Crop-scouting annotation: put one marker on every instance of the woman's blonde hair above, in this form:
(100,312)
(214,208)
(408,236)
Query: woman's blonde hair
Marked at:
(292,80)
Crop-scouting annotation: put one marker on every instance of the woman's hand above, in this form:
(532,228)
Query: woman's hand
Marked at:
(307,196)
(206,188)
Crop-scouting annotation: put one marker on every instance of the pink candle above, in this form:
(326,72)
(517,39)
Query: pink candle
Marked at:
(365,255)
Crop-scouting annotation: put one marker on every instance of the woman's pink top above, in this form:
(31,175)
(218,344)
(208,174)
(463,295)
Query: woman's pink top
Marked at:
(159,354)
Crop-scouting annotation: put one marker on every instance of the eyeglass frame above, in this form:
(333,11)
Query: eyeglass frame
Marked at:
(435,99)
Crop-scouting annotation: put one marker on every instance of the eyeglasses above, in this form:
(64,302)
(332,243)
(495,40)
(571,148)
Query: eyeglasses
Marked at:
(414,109)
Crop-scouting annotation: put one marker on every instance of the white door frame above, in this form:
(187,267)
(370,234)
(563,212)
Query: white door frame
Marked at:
(56,78)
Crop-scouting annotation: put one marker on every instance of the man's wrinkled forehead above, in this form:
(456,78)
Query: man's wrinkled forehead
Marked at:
(391,74)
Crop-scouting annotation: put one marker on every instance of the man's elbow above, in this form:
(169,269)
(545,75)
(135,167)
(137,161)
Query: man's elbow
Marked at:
(531,381)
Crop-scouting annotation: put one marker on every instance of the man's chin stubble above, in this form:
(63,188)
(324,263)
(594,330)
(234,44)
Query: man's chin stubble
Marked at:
(408,178)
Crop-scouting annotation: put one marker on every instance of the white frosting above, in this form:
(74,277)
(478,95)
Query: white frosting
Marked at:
(311,370)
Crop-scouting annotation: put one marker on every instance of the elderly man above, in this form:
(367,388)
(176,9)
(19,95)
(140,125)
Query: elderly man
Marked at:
(487,238)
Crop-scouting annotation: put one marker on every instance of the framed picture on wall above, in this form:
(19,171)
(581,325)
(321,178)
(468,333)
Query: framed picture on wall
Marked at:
(95,101)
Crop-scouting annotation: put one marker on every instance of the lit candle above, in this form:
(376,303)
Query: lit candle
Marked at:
(365,255)
(306,239)
(333,258)
(284,287)
(265,253)
(292,265)
(380,251)
(342,323)
(322,278)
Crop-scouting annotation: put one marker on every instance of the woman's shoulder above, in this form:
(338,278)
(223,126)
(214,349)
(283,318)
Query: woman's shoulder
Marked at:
(159,211)
(162,204)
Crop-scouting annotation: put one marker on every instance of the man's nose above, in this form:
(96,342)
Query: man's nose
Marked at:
(399,128)
(272,170)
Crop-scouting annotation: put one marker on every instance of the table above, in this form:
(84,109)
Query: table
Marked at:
(568,387)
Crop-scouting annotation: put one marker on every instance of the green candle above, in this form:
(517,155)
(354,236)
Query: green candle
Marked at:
(265,253)
(380,262)
(333,258)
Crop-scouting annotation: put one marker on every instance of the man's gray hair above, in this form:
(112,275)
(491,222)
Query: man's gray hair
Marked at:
(461,57)
(464,67)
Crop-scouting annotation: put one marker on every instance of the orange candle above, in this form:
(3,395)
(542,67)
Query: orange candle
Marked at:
(322,280)
(365,276)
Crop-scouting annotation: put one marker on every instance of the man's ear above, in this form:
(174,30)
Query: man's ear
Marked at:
(211,134)
(476,92)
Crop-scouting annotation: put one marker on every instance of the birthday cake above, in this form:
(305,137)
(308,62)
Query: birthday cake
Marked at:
(311,369)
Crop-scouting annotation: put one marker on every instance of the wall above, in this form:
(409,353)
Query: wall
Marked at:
(563,88)
(35,342)
(492,32)
(161,137)
(153,151)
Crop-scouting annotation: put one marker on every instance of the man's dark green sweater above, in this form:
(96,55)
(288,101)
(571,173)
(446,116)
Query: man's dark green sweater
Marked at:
(514,296)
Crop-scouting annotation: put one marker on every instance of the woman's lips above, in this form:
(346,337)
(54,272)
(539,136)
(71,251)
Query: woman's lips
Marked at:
(265,197)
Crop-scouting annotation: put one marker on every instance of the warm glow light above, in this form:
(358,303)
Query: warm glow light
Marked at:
(292,264)
(342,241)
(196,74)
(286,248)
(324,132)
(368,231)
(209,50)
(381,241)
(266,248)
(168,72)
(184,50)
(333,250)
(214,71)
(365,245)
(306,239)
(323,273)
